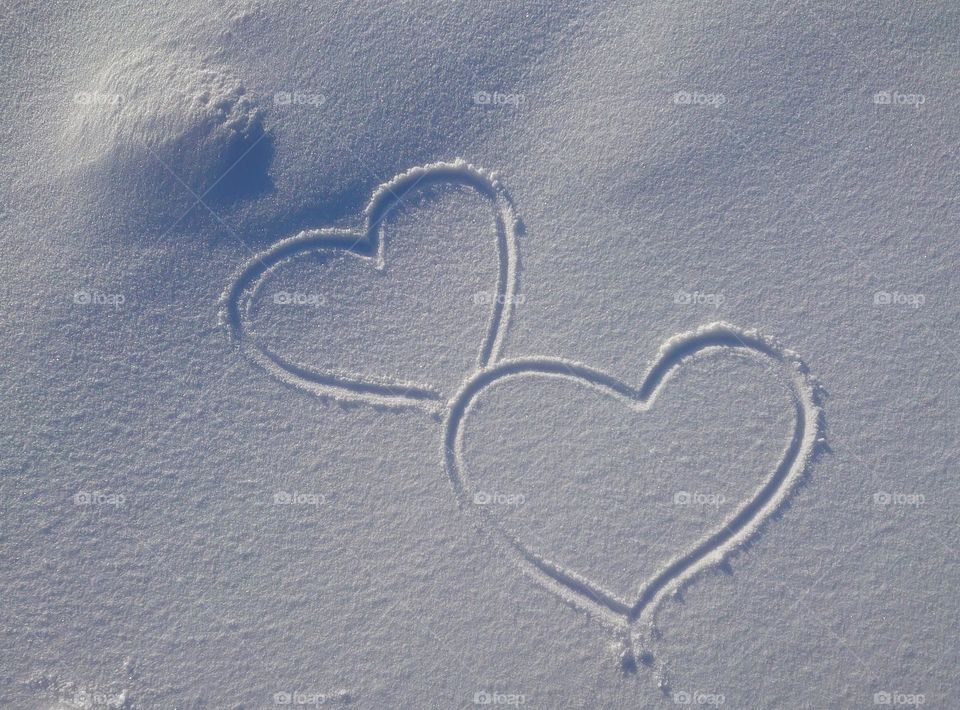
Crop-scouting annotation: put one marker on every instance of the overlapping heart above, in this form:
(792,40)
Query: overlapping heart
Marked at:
(576,588)
(368,243)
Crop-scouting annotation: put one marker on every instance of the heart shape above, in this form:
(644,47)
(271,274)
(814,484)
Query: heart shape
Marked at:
(368,243)
(576,589)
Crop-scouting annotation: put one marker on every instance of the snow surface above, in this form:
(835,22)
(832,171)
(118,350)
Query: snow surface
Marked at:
(442,355)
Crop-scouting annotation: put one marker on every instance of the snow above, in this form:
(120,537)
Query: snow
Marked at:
(439,356)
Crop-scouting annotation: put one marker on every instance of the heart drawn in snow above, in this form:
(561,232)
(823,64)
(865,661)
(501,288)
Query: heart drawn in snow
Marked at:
(369,244)
(574,587)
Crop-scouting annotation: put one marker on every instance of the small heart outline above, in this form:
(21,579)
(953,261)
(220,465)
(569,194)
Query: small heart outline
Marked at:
(711,550)
(368,243)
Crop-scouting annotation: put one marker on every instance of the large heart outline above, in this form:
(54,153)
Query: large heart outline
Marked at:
(625,615)
(368,243)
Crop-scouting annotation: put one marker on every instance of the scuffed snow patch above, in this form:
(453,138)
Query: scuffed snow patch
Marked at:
(151,119)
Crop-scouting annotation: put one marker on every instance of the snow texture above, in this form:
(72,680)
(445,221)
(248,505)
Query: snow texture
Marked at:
(452,355)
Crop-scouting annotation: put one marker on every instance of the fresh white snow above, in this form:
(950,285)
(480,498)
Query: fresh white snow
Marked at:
(451,355)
